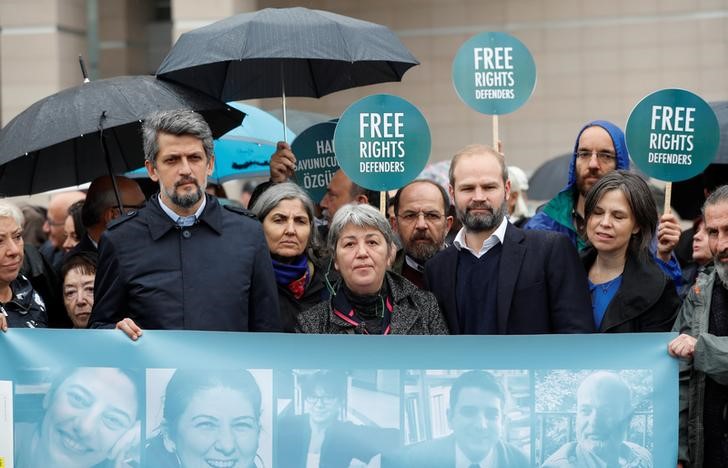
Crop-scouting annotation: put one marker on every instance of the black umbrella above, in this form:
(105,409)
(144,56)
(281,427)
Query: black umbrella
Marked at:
(57,142)
(688,196)
(285,52)
(549,178)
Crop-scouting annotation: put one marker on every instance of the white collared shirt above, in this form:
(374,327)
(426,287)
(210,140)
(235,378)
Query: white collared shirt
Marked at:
(462,460)
(183,220)
(497,237)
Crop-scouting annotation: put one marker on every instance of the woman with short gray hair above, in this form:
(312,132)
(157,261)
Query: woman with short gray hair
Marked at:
(368,299)
(287,214)
(20,305)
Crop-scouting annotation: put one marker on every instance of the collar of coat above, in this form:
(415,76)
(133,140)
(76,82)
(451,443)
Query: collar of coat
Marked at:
(160,223)
(401,290)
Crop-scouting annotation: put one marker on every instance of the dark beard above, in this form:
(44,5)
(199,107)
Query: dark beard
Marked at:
(484,222)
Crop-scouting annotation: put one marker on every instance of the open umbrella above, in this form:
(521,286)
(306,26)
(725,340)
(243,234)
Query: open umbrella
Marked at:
(285,52)
(245,150)
(61,140)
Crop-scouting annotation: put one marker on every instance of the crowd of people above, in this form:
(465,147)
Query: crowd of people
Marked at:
(596,258)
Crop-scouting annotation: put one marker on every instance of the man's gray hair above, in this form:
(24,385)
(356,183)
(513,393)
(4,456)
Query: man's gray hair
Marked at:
(175,122)
(720,195)
(10,210)
(275,194)
(361,215)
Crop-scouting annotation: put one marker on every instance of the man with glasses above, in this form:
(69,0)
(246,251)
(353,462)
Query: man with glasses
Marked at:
(600,148)
(421,222)
(54,226)
(101,207)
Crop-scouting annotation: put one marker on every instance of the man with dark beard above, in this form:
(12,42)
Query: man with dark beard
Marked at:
(703,347)
(496,278)
(183,261)
(421,222)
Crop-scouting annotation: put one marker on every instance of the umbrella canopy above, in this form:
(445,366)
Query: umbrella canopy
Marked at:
(549,178)
(308,53)
(56,142)
(245,150)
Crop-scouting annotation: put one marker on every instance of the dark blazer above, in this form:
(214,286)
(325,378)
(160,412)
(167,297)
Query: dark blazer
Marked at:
(215,275)
(440,453)
(542,288)
(646,300)
(344,442)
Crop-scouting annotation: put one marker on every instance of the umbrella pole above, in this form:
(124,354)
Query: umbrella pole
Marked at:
(283,95)
(107,158)
(668,198)
(495,133)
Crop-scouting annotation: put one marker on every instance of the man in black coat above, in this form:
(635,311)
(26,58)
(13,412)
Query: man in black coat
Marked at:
(183,261)
(496,278)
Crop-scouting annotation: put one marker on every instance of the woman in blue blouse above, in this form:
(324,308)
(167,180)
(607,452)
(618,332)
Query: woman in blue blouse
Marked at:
(630,293)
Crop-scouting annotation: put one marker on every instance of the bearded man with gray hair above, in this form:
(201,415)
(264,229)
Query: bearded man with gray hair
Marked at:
(703,347)
(183,261)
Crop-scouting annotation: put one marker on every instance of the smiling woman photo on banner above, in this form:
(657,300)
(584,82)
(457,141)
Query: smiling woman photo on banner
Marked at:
(90,418)
(210,418)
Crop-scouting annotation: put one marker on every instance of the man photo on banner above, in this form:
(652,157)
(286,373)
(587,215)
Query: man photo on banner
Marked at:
(183,261)
(603,415)
(497,278)
(476,416)
(600,148)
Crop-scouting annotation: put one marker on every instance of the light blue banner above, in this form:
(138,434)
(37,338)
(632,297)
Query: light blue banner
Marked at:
(93,398)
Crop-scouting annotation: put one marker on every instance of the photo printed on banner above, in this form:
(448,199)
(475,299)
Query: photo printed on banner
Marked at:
(335,417)
(594,418)
(465,417)
(208,418)
(80,417)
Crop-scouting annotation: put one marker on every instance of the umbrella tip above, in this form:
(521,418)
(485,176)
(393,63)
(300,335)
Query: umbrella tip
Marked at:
(83,68)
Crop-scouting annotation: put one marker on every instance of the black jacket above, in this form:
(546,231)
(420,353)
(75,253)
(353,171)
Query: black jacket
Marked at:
(291,307)
(541,286)
(645,302)
(26,308)
(214,275)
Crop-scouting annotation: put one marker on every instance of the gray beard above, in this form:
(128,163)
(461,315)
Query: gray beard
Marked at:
(721,269)
(423,252)
(183,201)
(484,222)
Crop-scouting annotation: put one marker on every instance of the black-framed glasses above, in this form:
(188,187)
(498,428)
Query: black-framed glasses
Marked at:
(323,399)
(413,216)
(604,157)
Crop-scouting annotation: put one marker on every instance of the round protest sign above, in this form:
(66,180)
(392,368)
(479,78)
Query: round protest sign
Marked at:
(494,73)
(315,159)
(382,142)
(672,135)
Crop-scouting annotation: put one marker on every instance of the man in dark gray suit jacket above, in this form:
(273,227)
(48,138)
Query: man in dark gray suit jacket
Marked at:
(496,278)
(476,416)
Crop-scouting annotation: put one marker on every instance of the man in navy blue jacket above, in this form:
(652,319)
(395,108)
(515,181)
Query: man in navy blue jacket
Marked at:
(496,278)
(183,261)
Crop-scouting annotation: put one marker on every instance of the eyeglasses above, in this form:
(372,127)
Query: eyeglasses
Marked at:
(604,157)
(323,399)
(51,223)
(413,216)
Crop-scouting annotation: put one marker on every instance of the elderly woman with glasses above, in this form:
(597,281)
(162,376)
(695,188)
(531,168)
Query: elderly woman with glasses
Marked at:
(287,214)
(368,299)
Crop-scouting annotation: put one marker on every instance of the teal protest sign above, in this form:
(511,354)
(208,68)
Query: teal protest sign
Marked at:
(382,142)
(672,135)
(315,159)
(494,73)
(183,399)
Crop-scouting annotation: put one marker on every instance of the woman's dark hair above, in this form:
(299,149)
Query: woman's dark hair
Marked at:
(640,201)
(186,383)
(74,211)
(83,261)
(135,376)
(332,382)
